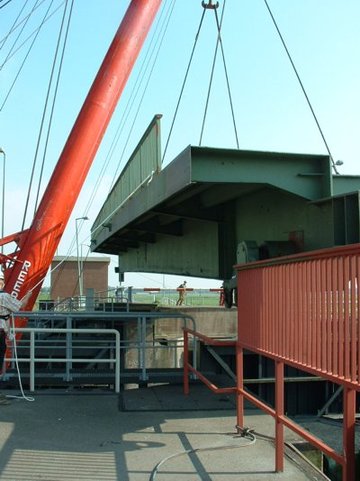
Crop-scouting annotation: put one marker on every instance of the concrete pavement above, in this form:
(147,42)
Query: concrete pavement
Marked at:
(85,436)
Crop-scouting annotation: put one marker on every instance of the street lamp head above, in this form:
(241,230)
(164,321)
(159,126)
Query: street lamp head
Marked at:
(82,218)
(2,151)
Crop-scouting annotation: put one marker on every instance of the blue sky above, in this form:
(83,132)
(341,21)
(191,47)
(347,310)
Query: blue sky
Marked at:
(271,113)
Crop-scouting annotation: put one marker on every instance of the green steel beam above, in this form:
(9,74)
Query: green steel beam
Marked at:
(190,217)
(308,176)
(195,169)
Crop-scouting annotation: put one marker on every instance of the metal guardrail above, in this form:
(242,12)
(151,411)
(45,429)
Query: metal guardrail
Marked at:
(303,310)
(110,301)
(139,342)
(33,360)
(193,369)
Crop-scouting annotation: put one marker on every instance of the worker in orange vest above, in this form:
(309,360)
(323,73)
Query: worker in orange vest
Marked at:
(182,294)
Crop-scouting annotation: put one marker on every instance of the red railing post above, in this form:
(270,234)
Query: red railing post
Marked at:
(349,434)
(186,361)
(239,386)
(279,413)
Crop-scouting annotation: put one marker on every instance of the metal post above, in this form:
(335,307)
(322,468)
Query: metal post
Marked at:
(239,386)
(32,361)
(80,279)
(77,251)
(82,267)
(279,413)
(349,434)
(129,294)
(81,274)
(143,349)
(117,365)
(3,199)
(139,343)
(68,355)
(186,360)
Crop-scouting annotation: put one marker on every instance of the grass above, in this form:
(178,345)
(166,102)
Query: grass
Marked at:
(210,300)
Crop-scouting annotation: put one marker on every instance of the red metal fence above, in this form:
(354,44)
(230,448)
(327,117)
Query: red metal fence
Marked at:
(303,311)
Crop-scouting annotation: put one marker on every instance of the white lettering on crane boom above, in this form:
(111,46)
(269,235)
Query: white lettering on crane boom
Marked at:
(21,279)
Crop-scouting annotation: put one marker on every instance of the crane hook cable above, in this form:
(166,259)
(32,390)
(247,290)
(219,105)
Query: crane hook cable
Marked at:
(227,79)
(219,42)
(212,72)
(183,84)
(302,87)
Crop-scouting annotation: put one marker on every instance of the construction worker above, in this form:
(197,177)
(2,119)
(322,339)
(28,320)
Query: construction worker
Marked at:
(182,294)
(8,305)
(222,295)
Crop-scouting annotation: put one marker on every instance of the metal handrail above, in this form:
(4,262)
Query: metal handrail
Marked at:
(140,343)
(33,360)
(303,311)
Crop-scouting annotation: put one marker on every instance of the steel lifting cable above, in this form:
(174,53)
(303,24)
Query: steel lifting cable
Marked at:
(4,5)
(43,119)
(55,91)
(34,32)
(24,23)
(25,58)
(183,84)
(163,28)
(145,90)
(3,41)
(219,42)
(16,24)
(211,78)
(158,42)
(152,53)
(302,87)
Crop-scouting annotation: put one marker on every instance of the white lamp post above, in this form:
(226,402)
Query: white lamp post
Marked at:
(80,278)
(82,264)
(3,198)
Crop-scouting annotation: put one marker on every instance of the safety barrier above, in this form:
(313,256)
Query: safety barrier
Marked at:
(194,297)
(302,311)
(190,368)
(32,359)
(138,343)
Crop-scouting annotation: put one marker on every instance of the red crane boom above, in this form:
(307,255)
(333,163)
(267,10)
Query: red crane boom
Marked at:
(26,268)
